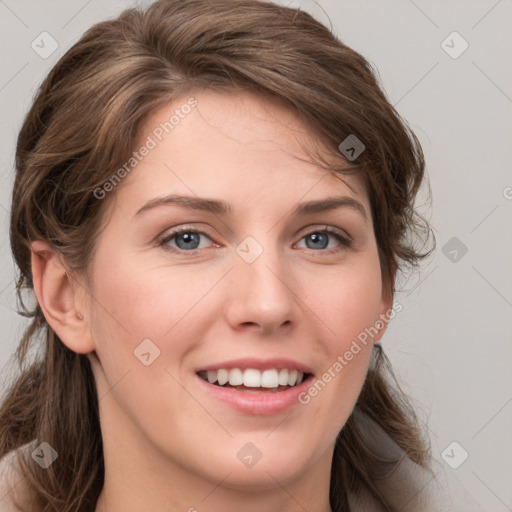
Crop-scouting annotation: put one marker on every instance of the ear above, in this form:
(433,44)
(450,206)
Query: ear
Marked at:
(60,298)
(387,311)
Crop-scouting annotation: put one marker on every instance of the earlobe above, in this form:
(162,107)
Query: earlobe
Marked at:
(57,297)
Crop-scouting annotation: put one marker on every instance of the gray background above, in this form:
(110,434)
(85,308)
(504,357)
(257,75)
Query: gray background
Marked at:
(450,345)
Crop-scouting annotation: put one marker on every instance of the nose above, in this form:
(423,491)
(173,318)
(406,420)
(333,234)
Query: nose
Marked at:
(261,295)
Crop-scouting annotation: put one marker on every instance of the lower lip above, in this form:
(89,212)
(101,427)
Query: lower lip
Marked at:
(262,403)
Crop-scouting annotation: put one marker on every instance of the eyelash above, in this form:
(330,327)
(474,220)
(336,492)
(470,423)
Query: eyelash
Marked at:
(343,240)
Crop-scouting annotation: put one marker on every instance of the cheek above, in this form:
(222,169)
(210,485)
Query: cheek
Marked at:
(351,301)
(150,303)
(131,306)
(350,308)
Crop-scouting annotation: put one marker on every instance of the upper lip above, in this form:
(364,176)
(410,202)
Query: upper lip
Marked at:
(258,364)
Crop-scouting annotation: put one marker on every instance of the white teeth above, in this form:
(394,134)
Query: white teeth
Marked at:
(236,377)
(269,379)
(283,378)
(222,377)
(292,378)
(252,378)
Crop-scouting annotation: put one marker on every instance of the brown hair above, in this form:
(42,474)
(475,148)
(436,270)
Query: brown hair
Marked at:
(84,123)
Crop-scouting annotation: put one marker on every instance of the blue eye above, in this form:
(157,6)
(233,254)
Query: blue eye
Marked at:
(320,239)
(185,239)
(188,240)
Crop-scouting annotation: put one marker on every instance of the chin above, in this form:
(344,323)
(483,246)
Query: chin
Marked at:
(262,477)
(268,467)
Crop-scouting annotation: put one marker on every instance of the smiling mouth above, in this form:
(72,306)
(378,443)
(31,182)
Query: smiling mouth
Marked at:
(254,381)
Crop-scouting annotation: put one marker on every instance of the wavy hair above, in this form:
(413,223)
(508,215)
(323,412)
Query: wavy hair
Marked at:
(83,125)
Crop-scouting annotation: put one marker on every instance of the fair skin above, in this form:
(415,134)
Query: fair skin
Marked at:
(169,444)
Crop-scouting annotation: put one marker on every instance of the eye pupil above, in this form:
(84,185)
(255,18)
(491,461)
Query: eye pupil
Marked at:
(189,238)
(315,237)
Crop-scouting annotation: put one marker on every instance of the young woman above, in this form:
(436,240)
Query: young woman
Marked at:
(212,203)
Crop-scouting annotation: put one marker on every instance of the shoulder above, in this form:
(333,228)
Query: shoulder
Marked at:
(13,489)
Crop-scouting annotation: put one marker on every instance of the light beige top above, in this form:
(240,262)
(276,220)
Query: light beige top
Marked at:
(14,496)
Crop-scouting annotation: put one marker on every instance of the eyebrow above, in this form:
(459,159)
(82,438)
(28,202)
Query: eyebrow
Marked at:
(219,207)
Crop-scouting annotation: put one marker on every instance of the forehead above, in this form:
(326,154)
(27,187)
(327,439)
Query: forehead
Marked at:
(243,146)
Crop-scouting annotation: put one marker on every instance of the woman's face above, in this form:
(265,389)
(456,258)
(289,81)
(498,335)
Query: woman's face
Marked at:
(252,286)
